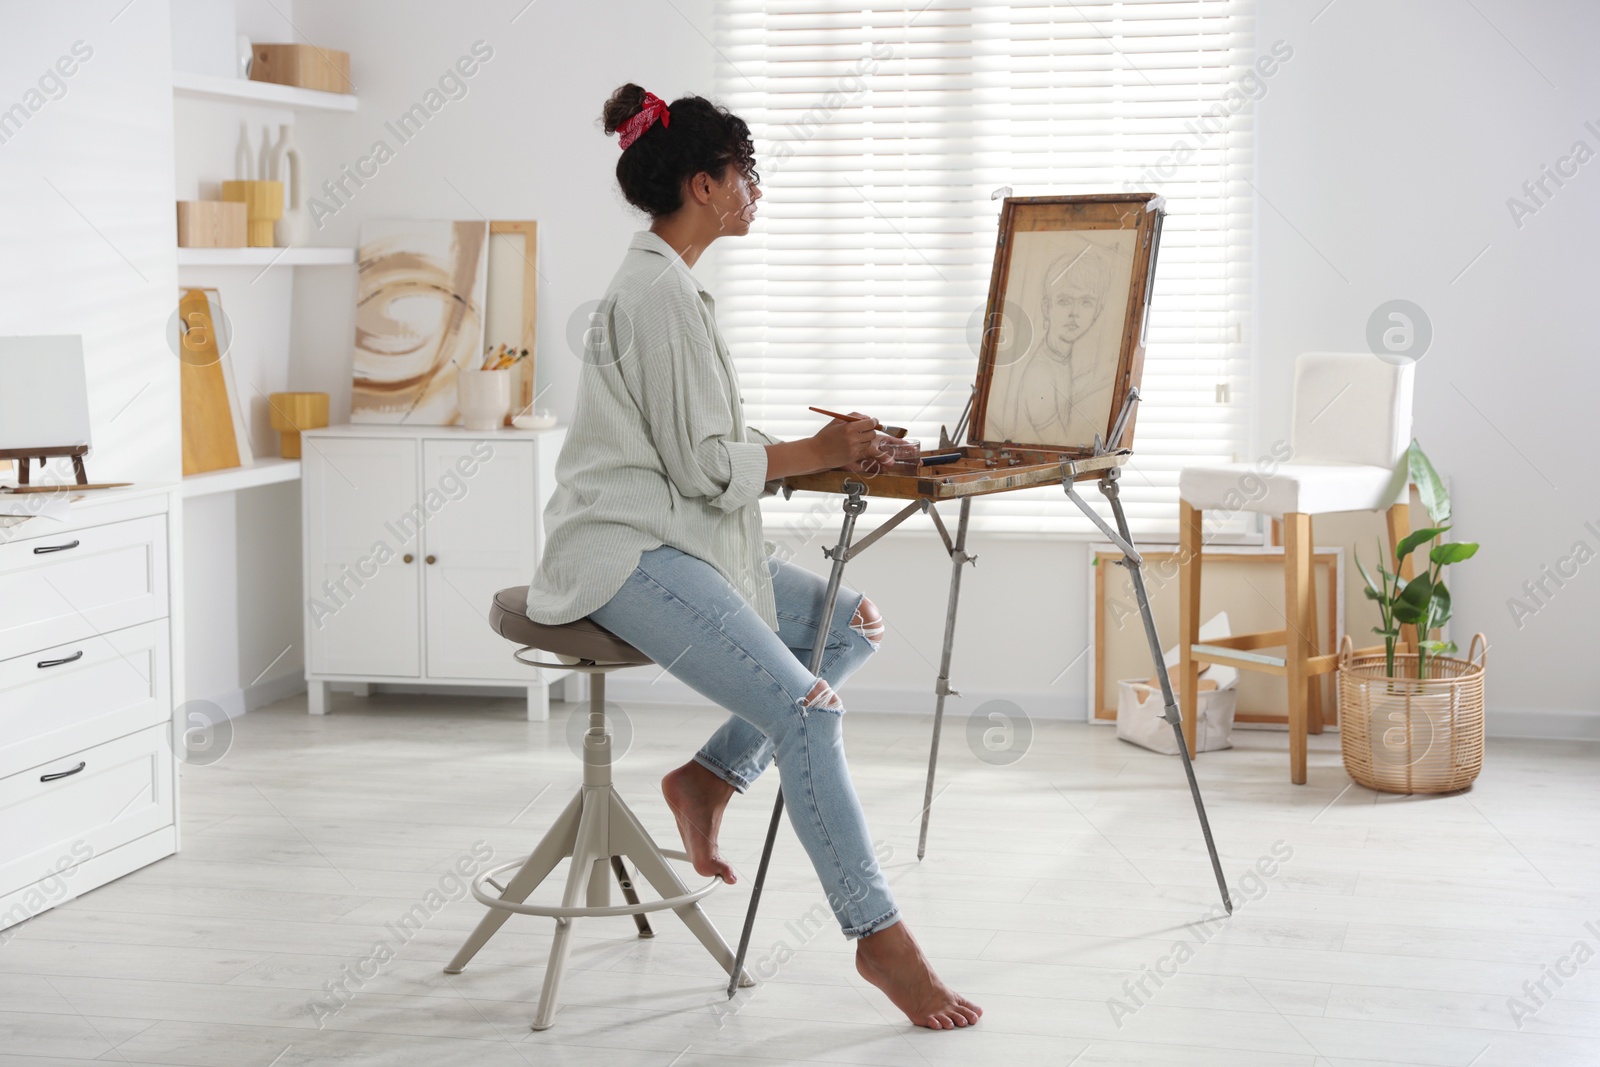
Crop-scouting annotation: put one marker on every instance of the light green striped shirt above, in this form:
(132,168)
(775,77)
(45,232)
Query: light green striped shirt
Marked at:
(658,452)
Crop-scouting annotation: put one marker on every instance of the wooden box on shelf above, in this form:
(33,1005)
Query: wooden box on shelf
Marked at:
(302,65)
(211,224)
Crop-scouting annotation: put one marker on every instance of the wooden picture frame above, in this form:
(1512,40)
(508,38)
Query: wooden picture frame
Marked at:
(1161,573)
(502,237)
(1056,360)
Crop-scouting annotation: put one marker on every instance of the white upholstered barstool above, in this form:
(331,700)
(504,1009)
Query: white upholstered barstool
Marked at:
(596,829)
(1350,425)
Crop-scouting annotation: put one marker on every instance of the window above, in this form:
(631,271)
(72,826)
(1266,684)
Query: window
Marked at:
(881,135)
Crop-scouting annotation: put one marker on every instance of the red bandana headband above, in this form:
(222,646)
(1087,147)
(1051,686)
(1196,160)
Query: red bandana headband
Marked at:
(654,108)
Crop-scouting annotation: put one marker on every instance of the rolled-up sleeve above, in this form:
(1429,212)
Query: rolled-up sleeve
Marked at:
(773,484)
(683,392)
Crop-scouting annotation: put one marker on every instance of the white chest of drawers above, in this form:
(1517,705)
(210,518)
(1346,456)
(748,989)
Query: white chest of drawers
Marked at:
(87,774)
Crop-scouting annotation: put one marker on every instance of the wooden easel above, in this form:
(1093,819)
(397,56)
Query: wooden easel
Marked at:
(986,466)
(24,456)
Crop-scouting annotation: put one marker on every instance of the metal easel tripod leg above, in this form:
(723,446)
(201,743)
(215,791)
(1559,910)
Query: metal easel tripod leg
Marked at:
(1134,563)
(941,686)
(854,505)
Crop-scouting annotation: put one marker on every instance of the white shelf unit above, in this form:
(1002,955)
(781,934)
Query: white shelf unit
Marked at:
(247,96)
(243,522)
(247,91)
(269,470)
(265,257)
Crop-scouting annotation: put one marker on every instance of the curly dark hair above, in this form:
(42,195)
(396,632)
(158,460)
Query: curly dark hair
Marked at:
(701,136)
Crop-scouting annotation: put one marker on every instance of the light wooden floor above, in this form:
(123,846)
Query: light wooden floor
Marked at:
(1394,933)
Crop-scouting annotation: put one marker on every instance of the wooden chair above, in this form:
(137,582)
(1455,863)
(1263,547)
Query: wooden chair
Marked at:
(1350,425)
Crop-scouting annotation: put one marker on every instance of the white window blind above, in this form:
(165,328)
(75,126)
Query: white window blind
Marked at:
(881,131)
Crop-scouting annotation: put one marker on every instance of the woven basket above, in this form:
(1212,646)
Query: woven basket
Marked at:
(1407,734)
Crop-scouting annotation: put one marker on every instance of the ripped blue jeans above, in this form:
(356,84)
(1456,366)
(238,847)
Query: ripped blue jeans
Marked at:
(678,610)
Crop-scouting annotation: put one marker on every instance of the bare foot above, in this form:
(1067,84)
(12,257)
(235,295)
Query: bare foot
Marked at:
(697,797)
(891,960)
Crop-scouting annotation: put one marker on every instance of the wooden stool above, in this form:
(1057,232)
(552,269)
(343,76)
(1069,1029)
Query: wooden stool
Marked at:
(1350,425)
(596,828)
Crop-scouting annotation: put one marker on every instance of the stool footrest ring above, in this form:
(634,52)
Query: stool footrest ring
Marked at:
(558,912)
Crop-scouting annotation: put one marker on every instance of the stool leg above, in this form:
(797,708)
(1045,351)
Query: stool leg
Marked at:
(630,838)
(630,896)
(589,846)
(1190,543)
(1297,630)
(559,841)
(1314,637)
(599,895)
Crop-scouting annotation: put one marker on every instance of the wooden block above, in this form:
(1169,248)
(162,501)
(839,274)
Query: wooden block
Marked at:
(292,412)
(208,435)
(211,224)
(263,203)
(303,65)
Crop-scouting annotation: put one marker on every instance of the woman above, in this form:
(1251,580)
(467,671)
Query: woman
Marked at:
(654,532)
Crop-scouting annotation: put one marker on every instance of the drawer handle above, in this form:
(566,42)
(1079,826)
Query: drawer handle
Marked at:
(432,560)
(63,774)
(42,549)
(65,659)
(407,558)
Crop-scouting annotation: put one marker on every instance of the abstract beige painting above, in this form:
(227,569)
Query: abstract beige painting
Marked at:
(419,318)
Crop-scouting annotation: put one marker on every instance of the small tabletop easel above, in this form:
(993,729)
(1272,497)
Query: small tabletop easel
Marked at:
(25,456)
(45,398)
(987,466)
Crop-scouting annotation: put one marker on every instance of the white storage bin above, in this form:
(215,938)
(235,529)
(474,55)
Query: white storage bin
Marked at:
(1139,718)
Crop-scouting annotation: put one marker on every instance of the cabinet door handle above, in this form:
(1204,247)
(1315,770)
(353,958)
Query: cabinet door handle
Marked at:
(63,774)
(432,559)
(42,549)
(64,659)
(407,558)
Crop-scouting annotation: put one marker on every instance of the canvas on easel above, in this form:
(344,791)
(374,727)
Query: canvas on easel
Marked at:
(44,402)
(1061,354)
(1064,336)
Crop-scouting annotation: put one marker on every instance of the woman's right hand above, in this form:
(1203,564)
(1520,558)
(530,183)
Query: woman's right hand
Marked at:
(841,443)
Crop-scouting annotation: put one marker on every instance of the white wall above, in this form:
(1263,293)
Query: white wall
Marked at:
(1387,145)
(524,142)
(86,235)
(1388,148)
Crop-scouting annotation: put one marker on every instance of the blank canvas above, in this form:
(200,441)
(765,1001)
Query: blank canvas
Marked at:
(44,392)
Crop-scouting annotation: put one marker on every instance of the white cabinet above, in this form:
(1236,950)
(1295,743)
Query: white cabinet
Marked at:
(363,602)
(409,532)
(87,779)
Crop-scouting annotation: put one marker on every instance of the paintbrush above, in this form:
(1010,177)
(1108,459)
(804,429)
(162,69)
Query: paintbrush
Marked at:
(892,431)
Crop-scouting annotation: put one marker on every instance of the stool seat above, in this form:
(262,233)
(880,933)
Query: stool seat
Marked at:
(1307,488)
(582,639)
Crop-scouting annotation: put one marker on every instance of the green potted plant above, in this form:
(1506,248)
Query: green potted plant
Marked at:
(1424,601)
(1412,721)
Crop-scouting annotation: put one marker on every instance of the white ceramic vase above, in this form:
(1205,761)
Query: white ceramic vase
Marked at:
(288,167)
(244,160)
(484,397)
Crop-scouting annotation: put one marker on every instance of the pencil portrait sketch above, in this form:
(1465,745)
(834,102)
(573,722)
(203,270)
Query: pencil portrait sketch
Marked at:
(1071,288)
